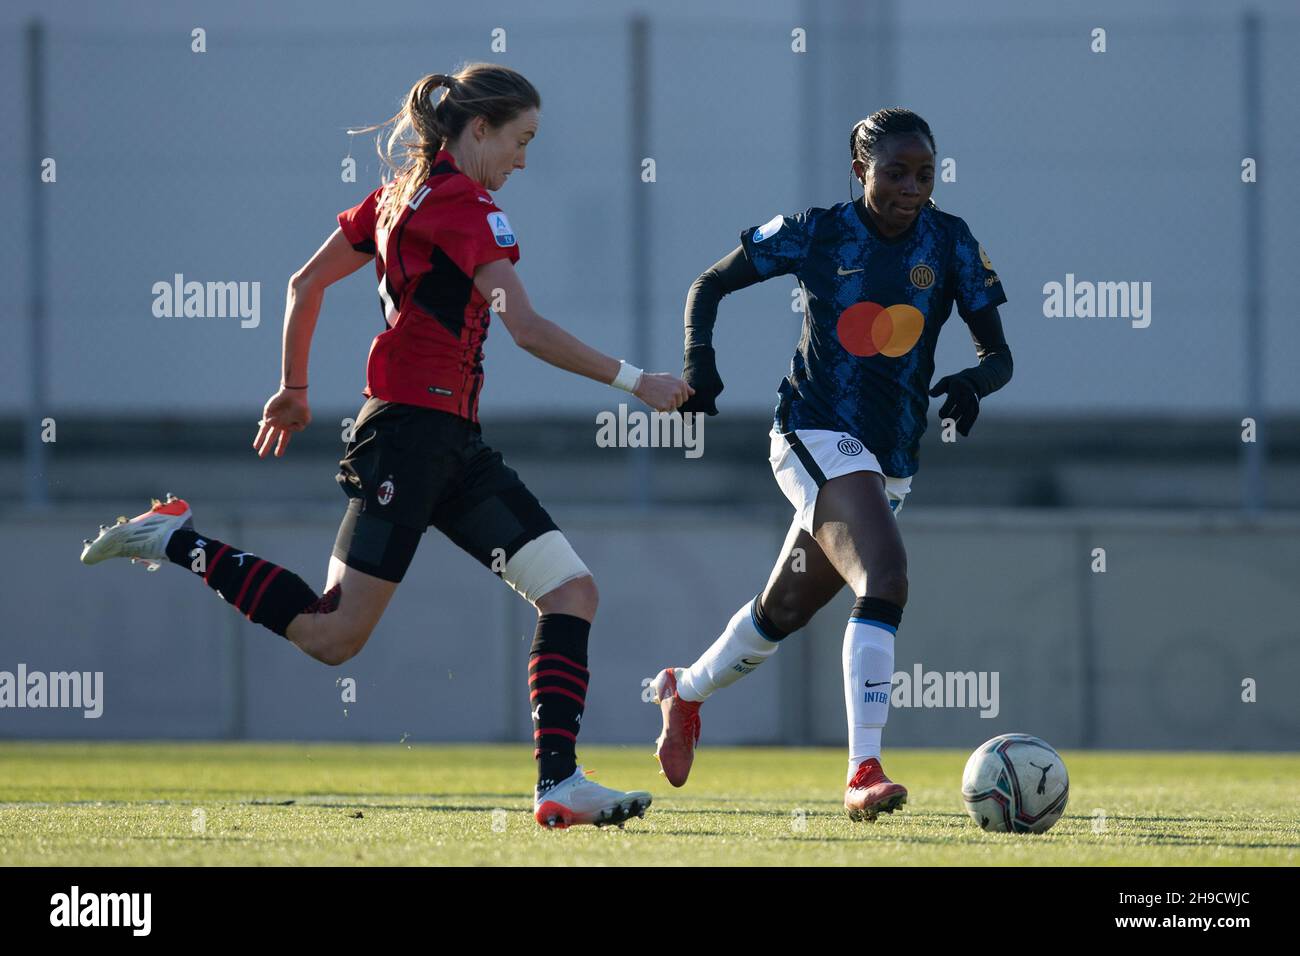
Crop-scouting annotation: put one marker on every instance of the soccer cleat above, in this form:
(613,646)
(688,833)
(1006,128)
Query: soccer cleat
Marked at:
(143,538)
(579,799)
(871,793)
(675,748)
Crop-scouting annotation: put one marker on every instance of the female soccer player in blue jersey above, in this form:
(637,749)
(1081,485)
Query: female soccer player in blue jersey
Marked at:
(879,277)
(442,250)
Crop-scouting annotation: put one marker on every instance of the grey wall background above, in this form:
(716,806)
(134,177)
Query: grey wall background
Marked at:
(225,166)
(1151,653)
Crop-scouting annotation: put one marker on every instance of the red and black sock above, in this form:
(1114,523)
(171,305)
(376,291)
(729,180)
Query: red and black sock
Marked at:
(265,593)
(557,693)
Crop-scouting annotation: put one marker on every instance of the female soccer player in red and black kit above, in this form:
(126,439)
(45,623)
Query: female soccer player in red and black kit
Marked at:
(879,277)
(443,251)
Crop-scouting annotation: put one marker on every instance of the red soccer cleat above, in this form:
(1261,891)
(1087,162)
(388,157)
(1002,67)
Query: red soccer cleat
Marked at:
(675,748)
(871,793)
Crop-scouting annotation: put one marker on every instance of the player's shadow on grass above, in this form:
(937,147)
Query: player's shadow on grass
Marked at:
(857,833)
(1183,839)
(431,807)
(1223,823)
(194,838)
(350,801)
(867,833)
(813,808)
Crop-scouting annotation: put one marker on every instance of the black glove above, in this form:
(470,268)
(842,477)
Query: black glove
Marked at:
(963,404)
(700,372)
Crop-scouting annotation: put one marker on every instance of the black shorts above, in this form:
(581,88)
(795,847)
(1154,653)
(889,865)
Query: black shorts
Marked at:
(408,468)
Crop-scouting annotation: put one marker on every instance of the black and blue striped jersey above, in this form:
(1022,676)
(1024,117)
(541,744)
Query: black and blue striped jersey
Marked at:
(873,308)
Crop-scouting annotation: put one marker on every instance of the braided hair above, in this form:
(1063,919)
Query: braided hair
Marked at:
(867,134)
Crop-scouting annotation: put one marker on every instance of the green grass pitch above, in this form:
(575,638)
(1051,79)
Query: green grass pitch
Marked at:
(289,804)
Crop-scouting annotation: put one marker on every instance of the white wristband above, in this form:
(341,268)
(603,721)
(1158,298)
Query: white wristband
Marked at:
(628,377)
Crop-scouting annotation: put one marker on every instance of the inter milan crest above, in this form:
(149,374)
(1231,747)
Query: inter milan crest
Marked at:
(922,276)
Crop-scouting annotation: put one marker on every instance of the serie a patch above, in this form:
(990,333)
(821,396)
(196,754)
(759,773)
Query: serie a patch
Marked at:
(501,231)
(769,228)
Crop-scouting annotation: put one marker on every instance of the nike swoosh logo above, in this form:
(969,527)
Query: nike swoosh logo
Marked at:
(877,683)
(841,271)
(745,660)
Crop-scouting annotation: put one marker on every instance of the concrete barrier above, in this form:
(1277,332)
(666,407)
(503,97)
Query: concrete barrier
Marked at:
(1151,653)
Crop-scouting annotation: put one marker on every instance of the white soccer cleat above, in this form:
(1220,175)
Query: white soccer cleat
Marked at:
(580,799)
(143,538)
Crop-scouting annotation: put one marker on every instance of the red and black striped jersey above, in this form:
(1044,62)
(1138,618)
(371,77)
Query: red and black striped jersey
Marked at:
(431,350)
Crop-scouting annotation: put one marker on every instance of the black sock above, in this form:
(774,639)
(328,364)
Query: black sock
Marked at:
(265,593)
(557,686)
(877,610)
(766,626)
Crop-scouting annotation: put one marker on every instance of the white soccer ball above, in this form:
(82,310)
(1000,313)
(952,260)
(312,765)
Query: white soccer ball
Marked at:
(1015,783)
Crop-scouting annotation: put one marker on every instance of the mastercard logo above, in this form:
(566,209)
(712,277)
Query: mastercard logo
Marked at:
(870,329)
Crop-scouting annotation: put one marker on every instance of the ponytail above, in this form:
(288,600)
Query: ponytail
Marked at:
(428,121)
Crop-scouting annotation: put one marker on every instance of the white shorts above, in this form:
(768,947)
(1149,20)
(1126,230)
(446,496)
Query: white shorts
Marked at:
(806,459)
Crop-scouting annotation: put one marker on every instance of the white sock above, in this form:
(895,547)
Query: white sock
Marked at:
(868,679)
(739,650)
